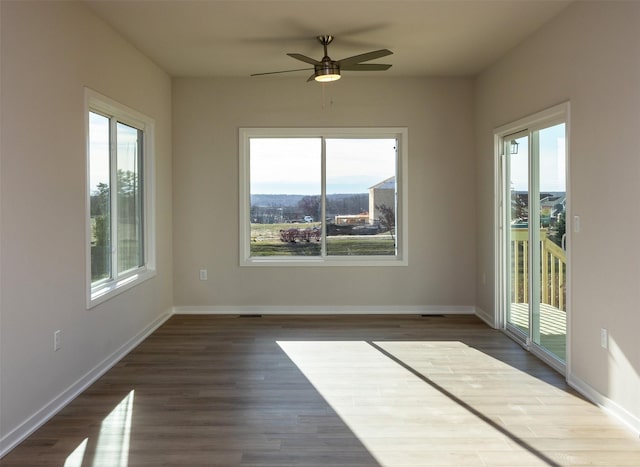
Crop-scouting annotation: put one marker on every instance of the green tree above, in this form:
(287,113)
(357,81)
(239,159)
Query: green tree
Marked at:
(100,207)
(387,219)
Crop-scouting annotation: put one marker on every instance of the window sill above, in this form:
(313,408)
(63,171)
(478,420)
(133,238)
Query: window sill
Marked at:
(366,261)
(112,289)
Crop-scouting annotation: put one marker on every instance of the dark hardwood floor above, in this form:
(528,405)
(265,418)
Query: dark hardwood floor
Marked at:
(328,391)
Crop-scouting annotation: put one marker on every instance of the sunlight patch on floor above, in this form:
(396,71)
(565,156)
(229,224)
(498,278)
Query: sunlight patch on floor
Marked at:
(396,414)
(77,456)
(112,445)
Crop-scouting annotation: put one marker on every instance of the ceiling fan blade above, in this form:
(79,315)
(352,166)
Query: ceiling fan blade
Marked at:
(283,71)
(365,67)
(304,58)
(312,78)
(364,57)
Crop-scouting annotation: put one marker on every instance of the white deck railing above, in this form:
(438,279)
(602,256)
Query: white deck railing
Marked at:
(553,267)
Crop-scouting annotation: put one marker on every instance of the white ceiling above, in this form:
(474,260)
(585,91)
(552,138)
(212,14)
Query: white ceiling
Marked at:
(208,38)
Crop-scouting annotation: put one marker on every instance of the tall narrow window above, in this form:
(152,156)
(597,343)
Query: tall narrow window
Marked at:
(323,197)
(119,150)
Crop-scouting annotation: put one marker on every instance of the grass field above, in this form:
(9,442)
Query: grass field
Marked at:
(265,241)
(370,245)
(271,232)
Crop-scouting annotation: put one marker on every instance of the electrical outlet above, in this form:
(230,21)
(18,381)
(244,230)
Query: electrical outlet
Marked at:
(57,340)
(204,275)
(604,338)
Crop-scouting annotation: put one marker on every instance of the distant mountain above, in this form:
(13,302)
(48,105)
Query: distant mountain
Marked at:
(276,201)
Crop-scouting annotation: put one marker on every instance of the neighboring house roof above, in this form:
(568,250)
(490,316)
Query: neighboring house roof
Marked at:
(388,184)
(552,200)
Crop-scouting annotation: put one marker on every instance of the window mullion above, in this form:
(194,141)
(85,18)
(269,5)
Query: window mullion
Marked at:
(323,195)
(113,160)
(141,210)
(397,206)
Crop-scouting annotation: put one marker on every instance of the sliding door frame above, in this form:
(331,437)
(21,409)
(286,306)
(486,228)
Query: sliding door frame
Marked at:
(554,115)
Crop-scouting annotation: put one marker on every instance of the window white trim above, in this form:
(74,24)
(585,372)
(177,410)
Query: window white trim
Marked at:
(96,294)
(402,236)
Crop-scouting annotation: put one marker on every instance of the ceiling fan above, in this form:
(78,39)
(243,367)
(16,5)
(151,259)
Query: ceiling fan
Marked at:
(329,70)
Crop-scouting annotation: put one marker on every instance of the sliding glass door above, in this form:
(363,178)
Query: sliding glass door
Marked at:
(549,316)
(517,212)
(533,206)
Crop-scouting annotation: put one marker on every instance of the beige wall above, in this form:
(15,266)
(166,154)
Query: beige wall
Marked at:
(438,113)
(589,55)
(50,50)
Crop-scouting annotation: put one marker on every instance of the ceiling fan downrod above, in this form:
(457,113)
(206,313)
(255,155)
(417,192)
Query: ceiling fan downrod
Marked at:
(325,41)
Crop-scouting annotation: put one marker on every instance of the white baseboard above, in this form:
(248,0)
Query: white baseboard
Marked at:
(627,418)
(20,433)
(324,310)
(486,317)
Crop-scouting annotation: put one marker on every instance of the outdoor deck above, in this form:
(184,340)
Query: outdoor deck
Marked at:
(553,279)
(553,326)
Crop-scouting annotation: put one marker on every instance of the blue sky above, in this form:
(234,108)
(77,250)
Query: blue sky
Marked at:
(552,161)
(293,165)
(99,149)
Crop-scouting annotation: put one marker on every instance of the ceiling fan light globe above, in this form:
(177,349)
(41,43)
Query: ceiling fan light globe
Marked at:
(327,78)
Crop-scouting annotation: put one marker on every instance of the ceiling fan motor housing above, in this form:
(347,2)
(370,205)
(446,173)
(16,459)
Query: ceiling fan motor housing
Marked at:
(328,67)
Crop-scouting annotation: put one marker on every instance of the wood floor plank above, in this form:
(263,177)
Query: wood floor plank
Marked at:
(328,391)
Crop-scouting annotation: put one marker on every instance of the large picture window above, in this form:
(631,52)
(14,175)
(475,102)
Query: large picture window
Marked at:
(118,188)
(323,196)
